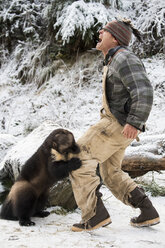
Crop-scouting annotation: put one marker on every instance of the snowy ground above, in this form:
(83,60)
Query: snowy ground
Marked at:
(54,231)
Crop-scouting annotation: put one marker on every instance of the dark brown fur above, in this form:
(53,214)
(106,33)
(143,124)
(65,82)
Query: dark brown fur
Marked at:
(29,193)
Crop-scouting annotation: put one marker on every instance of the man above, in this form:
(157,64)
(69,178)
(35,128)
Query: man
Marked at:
(127,101)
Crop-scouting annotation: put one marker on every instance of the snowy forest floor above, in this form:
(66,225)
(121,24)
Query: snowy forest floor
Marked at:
(54,230)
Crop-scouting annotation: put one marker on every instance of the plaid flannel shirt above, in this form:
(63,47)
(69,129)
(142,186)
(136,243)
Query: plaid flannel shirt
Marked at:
(128,90)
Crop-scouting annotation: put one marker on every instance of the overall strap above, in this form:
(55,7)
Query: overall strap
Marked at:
(108,60)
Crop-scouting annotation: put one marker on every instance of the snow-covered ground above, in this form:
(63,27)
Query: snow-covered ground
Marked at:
(54,230)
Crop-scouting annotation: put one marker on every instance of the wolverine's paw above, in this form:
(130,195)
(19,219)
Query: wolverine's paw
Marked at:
(74,164)
(42,214)
(26,223)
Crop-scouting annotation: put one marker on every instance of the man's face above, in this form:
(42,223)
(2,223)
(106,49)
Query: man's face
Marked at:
(106,41)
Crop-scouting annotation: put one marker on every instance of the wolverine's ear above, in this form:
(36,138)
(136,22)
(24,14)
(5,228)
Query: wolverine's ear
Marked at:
(75,149)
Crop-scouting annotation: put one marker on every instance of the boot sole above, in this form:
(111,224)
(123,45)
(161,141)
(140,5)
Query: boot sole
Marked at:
(101,224)
(146,223)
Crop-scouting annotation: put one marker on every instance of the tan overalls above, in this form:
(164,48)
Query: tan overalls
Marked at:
(103,143)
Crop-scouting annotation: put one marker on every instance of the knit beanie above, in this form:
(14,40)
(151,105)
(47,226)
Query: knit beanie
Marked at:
(120,30)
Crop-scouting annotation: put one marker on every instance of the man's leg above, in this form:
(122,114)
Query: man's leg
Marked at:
(148,216)
(126,190)
(119,182)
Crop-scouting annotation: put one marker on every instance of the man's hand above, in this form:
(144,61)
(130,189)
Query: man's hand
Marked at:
(129,131)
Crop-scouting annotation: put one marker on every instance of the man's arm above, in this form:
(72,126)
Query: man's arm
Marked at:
(134,78)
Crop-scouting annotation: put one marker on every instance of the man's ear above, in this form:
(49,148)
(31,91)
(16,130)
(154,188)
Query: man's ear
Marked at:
(115,41)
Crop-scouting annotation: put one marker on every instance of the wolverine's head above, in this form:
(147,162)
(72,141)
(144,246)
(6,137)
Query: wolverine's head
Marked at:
(62,141)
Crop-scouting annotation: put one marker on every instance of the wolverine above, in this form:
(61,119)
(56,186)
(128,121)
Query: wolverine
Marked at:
(53,161)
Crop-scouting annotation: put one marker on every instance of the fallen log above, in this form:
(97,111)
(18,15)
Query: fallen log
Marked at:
(137,166)
(61,194)
(144,156)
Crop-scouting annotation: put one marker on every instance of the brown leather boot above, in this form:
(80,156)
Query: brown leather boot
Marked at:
(149,216)
(101,219)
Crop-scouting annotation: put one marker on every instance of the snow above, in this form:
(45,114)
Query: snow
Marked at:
(31,143)
(54,230)
(155,70)
(61,99)
(1,187)
(82,16)
(151,15)
(7,140)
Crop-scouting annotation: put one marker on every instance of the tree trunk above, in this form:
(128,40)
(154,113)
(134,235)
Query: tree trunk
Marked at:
(61,194)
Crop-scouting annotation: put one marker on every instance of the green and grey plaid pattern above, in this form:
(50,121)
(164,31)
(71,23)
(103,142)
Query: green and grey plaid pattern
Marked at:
(128,90)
